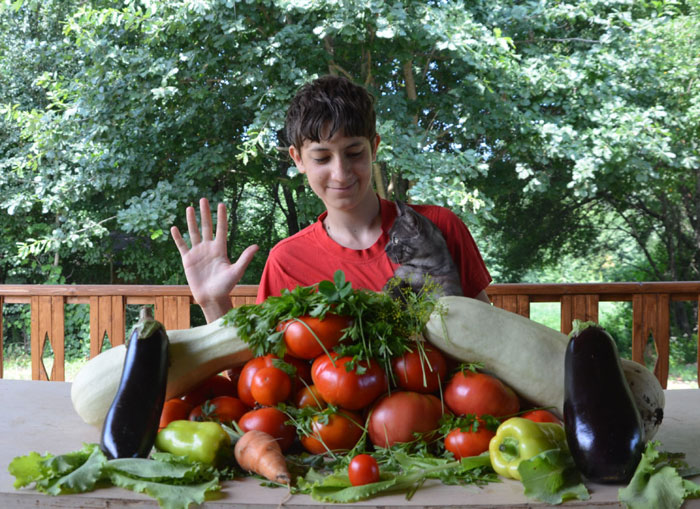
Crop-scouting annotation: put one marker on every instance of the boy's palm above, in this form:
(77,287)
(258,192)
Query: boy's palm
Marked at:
(210,274)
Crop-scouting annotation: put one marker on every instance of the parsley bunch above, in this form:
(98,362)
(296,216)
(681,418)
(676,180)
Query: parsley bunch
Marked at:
(382,327)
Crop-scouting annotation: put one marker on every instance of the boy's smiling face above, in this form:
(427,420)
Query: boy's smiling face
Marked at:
(339,169)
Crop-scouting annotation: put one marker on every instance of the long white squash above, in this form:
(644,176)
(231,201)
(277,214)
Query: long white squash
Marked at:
(526,355)
(195,354)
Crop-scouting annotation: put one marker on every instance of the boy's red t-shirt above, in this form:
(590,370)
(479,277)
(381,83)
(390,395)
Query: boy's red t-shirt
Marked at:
(310,256)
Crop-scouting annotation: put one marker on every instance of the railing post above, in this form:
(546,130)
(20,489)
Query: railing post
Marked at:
(107,316)
(47,321)
(650,315)
(578,307)
(519,304)
(173,312)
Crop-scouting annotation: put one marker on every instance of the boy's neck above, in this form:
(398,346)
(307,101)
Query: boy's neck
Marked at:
(358,228)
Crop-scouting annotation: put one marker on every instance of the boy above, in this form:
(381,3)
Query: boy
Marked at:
(331,127)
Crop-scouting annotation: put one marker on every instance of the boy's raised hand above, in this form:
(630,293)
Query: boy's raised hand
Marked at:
(210,274)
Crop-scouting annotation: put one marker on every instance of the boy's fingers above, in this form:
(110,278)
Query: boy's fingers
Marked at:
(192,226)
(179,241)
(205,217)
(245,259)
(221,223)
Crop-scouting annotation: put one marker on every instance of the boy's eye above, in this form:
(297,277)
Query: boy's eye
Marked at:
(321,160)
(355,154)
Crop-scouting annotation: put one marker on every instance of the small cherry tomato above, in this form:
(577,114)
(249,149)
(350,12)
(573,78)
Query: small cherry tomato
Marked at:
(363,469)
(541,415)
(307,337)
(224,409)
(309,396)
(212,387)
(335,432)
(420,371)
(174,410)
(270,385)
(246,377)
(468,443)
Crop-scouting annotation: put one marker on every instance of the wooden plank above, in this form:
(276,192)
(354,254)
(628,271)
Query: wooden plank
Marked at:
(519,304)
(159,309)
(566,314)
(58,339)
(118,309)
(107,317)
(176,312)
(638,333)
(662,332)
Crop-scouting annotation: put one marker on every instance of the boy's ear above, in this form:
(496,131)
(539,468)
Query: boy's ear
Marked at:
(296,157)
(374,145)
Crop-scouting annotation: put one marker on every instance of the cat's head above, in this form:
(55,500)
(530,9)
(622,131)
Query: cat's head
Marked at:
(409,235)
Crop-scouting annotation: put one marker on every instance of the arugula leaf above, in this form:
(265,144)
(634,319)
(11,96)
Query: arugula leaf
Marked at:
(408,473)
(552,477)
(657,481)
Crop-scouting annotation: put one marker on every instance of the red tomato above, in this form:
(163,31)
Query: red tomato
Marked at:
(222,409)
(270,386)
(271,421)
(398,416)
(418,371)
(212,387)
(480,394)
(347,389)
(246,377)
(363,469)
(309,396)
(468,443)
(339,432)
(174,410)
(541,415)
(303,343)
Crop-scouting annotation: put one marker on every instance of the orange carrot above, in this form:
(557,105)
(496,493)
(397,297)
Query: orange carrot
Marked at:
(259,452)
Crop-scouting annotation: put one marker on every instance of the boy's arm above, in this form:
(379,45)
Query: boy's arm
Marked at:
(210,274)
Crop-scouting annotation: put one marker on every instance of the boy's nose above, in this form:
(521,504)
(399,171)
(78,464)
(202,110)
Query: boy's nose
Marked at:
(341,168)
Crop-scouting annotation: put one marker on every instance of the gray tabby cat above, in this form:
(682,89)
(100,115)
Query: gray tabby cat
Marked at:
(419,247)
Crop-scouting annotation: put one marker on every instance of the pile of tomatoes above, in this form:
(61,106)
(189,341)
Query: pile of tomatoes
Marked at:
(400,404)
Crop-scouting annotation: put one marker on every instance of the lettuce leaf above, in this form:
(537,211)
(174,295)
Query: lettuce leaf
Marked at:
(172,481)
(658,481)
(552,477)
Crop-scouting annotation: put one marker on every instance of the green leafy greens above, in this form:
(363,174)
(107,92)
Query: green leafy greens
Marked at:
(382,327)
(172,481)
(659,481)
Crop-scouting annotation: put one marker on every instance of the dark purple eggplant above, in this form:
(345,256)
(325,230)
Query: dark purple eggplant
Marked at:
(603,428)
(131,425)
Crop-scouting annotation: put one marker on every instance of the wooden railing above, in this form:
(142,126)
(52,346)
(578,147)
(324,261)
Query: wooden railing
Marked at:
(650,305)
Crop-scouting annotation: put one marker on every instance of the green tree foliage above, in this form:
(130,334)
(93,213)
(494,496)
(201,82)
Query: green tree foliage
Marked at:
(544,124)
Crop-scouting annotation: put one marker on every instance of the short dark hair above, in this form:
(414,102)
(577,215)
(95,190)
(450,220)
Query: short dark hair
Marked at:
(332,102)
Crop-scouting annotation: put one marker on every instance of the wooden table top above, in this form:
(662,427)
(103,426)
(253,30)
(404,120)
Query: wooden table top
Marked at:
(38,416)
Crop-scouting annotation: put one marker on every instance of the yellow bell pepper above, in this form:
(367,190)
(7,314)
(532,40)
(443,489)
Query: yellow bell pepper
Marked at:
(518,439)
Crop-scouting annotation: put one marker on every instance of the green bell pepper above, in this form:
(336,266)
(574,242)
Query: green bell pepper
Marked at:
(198,441)
(518,439)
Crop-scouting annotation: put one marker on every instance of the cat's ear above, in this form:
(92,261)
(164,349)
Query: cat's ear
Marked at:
(401,207)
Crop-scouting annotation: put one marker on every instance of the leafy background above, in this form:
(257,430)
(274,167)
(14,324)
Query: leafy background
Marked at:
(565,133)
